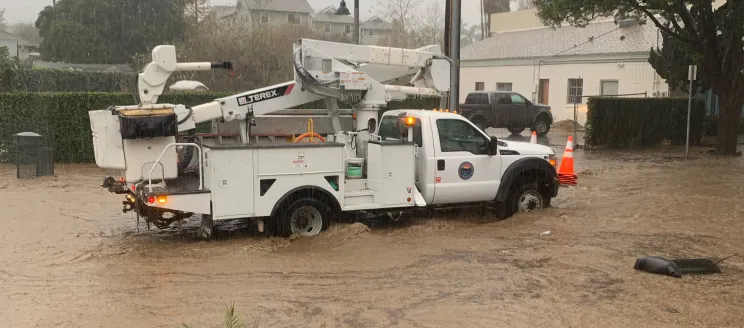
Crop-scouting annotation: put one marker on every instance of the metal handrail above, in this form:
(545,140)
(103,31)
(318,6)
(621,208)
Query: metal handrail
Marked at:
(201,168)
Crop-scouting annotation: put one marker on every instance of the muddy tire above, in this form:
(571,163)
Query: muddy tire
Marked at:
(305,217)
(206,228)
(515,130)
(526,197)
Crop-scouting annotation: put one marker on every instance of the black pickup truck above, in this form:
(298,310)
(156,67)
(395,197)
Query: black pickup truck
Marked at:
(506,109)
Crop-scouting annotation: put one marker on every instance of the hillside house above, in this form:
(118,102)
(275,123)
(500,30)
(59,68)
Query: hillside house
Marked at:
(326,21)
(270,12)
(375,30)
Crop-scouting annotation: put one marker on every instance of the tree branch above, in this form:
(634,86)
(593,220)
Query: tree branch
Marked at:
(687,19)
(658,24)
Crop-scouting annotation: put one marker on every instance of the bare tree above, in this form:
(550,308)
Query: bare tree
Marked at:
(403,14)
(3,24)
(262,57)
(26,31)
(431,29)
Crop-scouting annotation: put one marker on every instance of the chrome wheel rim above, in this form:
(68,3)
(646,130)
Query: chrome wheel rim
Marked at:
(306,221)
(541,127)
(530,201)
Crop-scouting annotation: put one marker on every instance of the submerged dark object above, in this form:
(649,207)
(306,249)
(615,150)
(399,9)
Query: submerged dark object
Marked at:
(658,265)
(675,268)
(697,266)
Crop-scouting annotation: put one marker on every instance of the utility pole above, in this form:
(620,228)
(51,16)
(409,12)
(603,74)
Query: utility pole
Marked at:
(454,54)
(447,26)
(357,39)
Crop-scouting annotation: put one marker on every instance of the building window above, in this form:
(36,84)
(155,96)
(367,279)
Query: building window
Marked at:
(479,86)
(503,87)
(609,88)
(327,28)
(371,32)
(347,29)
(293,18)
(264,17)
(575,91)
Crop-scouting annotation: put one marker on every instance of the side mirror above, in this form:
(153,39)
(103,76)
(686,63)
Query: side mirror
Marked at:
(493,146)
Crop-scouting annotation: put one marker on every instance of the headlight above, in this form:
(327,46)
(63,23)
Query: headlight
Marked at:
(552,159)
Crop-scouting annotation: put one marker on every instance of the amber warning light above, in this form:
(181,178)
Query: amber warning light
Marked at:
(410,121)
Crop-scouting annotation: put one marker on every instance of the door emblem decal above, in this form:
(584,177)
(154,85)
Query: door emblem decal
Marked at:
(466,170)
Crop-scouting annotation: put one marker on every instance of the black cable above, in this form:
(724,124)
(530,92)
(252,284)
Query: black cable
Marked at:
(191,112)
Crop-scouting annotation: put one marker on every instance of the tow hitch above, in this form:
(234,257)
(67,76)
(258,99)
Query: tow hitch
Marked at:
(129,203)
(117,187)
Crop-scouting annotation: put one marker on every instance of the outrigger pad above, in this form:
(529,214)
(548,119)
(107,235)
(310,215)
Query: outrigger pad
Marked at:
(658,265)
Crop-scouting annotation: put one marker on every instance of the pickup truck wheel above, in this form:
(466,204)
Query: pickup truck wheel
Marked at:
(305,217)
(515,130)
(480,122)
(527,197)
(541,127)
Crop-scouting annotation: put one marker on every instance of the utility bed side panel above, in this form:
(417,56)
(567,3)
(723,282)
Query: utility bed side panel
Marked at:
(285,168)
(391,166)
(231,179)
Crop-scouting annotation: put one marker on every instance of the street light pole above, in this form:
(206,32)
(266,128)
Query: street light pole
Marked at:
(692,76)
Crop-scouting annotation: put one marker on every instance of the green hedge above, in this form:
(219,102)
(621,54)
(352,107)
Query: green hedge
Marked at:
(52,80)
(62,118)
(626,122)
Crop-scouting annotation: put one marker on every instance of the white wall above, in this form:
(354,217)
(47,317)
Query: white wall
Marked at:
(633,76)
(12,46)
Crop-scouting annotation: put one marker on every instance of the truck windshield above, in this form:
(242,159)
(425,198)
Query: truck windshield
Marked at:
(389,129)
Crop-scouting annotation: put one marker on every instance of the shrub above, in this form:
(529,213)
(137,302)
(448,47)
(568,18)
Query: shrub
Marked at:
(62,118)
(627,122)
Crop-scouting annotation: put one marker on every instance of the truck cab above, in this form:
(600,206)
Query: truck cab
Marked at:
(457,162)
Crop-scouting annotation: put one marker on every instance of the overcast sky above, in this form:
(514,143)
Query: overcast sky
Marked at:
(26,10)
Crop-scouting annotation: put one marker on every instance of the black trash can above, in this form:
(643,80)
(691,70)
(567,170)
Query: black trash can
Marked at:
(33,159)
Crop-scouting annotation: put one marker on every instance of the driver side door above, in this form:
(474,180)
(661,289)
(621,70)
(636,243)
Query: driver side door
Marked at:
(465,172)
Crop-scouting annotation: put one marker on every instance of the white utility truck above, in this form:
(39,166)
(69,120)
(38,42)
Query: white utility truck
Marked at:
(411,159)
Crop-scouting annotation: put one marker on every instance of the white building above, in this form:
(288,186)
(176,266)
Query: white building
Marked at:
(557,66)
(17,47)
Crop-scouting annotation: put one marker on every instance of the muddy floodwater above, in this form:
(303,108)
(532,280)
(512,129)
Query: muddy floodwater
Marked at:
(71,258)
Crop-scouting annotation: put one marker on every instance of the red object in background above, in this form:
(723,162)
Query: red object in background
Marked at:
(439,179)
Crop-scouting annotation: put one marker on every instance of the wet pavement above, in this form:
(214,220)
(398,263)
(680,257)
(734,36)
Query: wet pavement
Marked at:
(72,259)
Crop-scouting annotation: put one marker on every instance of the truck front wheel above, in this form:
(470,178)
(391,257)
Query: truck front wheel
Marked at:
(305,217)
(526,197)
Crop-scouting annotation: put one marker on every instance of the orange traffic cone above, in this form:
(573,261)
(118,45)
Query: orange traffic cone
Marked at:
(533,140)
(566,175)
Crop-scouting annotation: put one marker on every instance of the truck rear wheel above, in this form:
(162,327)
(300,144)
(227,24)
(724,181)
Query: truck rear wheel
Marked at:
(305,217)
(479,122)
(541,126)
(515,130)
